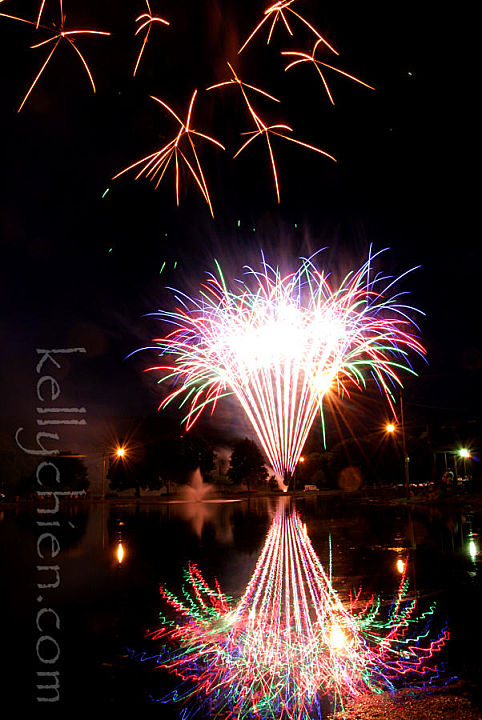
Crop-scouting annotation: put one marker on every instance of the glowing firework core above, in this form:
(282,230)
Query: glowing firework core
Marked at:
(280,343)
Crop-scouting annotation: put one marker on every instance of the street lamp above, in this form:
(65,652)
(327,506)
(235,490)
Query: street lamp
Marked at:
(404,446)
(390,429)
(120,452)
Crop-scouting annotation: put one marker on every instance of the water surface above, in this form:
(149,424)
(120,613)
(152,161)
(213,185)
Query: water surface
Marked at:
(104,608)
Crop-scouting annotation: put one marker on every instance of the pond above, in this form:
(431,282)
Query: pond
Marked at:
(90,626)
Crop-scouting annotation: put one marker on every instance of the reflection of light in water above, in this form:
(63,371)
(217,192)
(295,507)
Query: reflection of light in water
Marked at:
(196,490)
(216,512)
(472,549)
(400,565)
(120,553)
(288,640)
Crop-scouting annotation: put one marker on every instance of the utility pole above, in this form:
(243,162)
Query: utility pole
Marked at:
(406,459)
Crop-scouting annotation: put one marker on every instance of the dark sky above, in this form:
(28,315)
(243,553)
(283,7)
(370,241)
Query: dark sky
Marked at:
(82,269)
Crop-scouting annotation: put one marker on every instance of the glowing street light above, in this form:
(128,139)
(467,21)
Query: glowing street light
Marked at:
(120,553)
(390,428)
(464,453)
(400,566)
(120,452)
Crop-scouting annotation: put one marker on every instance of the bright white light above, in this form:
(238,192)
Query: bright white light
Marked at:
(400,566)
(322,382)
(472,549)
(120,553)
(337,638)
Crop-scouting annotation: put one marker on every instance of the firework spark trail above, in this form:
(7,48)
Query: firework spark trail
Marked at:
(277,12)
(39,16)
(303,57)
(60,33)
(261,128)
(146,20)
(154,166)
(289,640)
(283,344)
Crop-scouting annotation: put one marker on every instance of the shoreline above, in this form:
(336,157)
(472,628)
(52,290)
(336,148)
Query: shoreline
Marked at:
(378,496)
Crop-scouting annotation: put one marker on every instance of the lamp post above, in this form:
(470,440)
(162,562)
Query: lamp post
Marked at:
(390,429)
(120,452)
(406,459)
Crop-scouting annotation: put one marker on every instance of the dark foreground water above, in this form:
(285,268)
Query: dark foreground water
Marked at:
(91,627)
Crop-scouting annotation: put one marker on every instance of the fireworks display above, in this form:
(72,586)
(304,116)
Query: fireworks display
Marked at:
(290,641)
(154,165)
(282,344)
(261,128)
(287,346)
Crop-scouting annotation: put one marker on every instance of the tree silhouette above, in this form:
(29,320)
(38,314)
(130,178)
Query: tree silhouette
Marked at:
(247,464)
(63,472)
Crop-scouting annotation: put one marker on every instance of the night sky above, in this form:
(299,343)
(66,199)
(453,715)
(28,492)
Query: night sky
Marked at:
(81,266)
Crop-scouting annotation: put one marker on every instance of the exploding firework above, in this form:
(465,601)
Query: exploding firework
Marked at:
(261,128)
(290,641)
(279,12)
(59,33)
(154,166)
(145,21)
(302,57)
(282,344)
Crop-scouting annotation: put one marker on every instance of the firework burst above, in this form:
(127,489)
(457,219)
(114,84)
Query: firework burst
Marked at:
(302,57)
(262,129)
(59,33)
(282,344)
(154,166)
(279,12)
(146,21)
